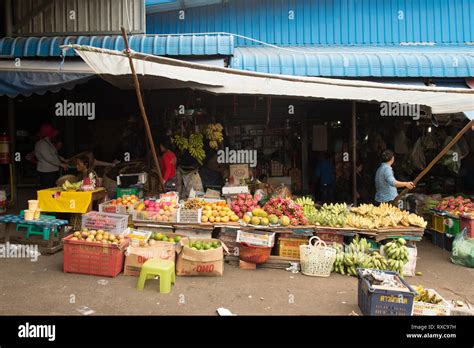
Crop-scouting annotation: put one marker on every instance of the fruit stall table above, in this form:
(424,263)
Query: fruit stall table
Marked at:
(76,203)
(49,244)
(56,200)
(409,233)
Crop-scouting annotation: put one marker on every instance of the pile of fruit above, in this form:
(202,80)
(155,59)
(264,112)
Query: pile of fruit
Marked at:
(368,216)
(127,200)
(456,206)
(162,210)
(258,217)
(357,255)
(218,212)
(425,296)
(243,203)
(68,186)
(214,135)
(97,236)
(203,246)
(286,207)
(164,238)
(333,215)
(309,210)
(397,254)
(193,204)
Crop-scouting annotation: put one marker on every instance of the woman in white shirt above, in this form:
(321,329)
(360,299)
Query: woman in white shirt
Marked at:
(46,153)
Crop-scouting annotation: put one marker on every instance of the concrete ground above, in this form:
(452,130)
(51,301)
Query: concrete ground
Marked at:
(41,288)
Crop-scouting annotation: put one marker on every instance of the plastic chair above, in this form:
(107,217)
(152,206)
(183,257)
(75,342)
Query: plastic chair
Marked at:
(162,268)
(32,229)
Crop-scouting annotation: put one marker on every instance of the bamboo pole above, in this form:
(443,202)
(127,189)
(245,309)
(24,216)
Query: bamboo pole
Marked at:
(438,157)
(136,82)
(354,154)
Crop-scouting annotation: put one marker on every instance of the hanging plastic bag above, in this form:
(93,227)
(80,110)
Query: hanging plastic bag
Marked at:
(463,250)
(417,156)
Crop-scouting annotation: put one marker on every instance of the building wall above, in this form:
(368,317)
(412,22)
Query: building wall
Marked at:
(78,17)
(327,22)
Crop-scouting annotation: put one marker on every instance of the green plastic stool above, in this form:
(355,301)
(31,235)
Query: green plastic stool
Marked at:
(162,268)
(37,230)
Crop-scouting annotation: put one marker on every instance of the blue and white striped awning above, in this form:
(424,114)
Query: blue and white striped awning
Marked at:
(163,45)
(358,61)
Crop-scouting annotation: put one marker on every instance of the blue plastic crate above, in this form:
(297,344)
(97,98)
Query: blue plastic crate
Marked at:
(384,302)
(438,239)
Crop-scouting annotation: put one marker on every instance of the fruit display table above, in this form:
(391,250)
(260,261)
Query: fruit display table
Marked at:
(56,200)
(49,246)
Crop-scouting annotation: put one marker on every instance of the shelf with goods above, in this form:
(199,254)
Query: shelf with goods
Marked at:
(271,142)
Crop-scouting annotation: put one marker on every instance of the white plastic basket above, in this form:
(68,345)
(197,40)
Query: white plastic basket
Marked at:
(112,223)
(317,260)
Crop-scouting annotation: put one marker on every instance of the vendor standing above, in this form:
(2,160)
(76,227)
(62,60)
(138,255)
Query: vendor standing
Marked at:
(385,183)
(49,162)
(168,165)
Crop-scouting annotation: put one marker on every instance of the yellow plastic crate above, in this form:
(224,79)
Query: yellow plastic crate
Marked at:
(290,247)
(437,223)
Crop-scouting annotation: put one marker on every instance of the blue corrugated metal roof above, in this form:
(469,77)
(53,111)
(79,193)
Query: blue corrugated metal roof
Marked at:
(328,22)
(162,45)
(153,6)
(358,61)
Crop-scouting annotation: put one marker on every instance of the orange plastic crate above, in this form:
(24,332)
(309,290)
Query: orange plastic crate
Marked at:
(93,258)
(290,247)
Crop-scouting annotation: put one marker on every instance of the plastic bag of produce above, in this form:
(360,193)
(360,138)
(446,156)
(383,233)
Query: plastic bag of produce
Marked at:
(282,191)
(463,250)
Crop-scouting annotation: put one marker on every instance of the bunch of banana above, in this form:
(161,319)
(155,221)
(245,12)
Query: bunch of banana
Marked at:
(385,215)
(214,135)
(311,213)
(181,143)
(196,147)
(338,266)
(354,260)
(397,254)
(333,215)
(377,261)
(338,208)
(304,201)
(415,220)
(425,296)
(360,221)
(68,186)
(358,245)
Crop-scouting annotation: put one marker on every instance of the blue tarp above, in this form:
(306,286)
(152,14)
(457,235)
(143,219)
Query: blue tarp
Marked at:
(14,83)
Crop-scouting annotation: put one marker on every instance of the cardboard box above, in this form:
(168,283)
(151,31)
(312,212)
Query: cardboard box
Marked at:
(429,309)
(265,239)
(136,256)
(208,263)
(238,172)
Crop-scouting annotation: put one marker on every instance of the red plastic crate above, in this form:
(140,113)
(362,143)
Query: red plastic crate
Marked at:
(92,258)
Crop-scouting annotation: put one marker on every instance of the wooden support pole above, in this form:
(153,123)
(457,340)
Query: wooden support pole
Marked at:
(142,108)
(438,157)
(354,153)
(12,134)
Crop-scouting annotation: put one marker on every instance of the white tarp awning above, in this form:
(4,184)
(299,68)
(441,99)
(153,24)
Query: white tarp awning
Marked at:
(160,72)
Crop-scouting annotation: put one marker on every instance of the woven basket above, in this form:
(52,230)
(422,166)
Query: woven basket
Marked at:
(317,260)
